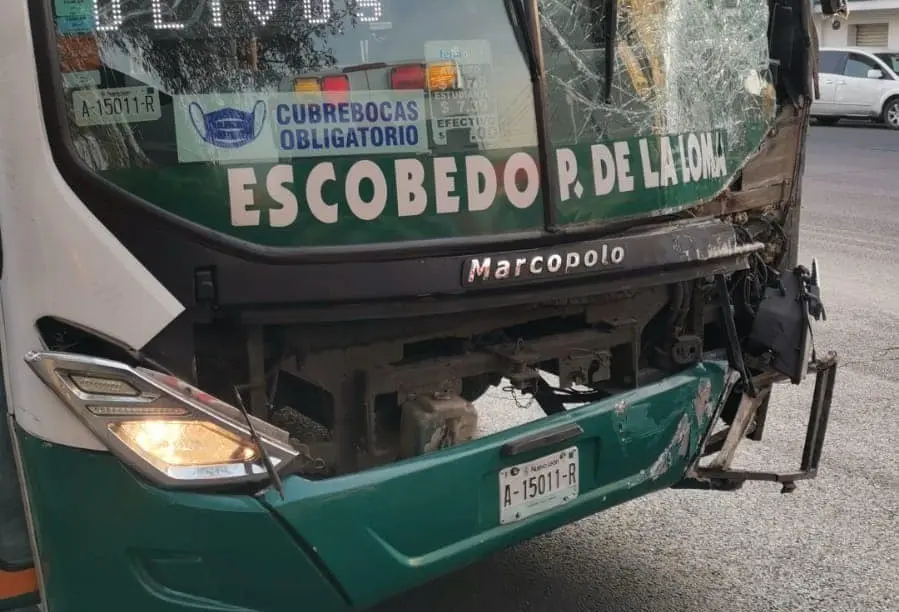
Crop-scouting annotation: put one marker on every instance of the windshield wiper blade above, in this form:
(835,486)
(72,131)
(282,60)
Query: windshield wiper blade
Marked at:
(266,460)
(611,35)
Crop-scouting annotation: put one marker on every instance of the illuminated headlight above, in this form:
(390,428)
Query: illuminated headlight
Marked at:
(167,429)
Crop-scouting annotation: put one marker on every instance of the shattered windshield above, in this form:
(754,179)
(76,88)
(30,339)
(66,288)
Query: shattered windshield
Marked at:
(676,66)
(678,92)
(335,122)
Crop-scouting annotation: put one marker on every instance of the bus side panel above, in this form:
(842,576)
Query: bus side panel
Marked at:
(18,585)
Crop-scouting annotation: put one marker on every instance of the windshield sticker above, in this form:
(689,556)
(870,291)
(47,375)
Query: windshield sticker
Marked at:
(417,186)
(368,190)
(78,80)
(659,162)
(116,105)
(75,25)
(223,128)
(266,126)
(78,53)
(365,123)
(75,8)
(470,106)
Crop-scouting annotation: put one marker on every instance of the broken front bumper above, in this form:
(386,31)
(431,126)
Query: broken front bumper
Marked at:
(106,537)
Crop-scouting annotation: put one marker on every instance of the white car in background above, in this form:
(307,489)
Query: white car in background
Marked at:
(858,83)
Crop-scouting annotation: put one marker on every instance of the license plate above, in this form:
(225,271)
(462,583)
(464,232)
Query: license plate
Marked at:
(530,488)
(117,105)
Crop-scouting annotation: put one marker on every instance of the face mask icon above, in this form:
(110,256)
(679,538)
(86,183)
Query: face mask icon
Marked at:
(228,128)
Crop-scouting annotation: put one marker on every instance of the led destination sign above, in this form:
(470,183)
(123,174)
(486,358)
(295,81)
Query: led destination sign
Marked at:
(183,16)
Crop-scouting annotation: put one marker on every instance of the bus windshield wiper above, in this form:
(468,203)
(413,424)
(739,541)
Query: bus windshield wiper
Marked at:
(266,460)
(610,35)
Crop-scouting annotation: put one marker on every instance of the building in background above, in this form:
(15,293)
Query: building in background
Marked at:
(871,23)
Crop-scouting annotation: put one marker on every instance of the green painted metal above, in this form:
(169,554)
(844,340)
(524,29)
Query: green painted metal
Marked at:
(15,549)
(108,539)
(410,522)
(25,603)
(15,552)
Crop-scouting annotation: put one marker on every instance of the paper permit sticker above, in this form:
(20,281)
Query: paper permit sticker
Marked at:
(473,107)
(79,54)
(269,126)
(74,8)
(75,25)
(77,80)
(462,51)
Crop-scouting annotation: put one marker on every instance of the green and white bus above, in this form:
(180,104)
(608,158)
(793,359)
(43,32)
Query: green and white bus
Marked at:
(263,259)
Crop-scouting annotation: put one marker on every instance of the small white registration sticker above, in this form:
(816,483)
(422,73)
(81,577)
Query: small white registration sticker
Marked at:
(530,488)
(117,105)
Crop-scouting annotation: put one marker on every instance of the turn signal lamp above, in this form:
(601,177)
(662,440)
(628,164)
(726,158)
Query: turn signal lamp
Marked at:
(442,76)
(103,386)
(173,433)
(307,85)
(334,88)
(435,76)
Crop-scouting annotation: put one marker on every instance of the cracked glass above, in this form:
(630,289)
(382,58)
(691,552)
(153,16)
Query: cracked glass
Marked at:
(677,66)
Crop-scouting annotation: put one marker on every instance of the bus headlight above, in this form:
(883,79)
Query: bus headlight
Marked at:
(165,428)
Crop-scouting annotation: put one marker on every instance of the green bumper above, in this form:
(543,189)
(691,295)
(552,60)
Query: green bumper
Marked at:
(108,540)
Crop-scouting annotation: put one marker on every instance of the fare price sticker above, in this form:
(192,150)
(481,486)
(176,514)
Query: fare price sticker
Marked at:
(471,107)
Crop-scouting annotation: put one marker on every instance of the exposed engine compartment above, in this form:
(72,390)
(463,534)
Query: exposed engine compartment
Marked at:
(354,394)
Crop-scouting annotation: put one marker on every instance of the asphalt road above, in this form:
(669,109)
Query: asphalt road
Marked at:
(832,545)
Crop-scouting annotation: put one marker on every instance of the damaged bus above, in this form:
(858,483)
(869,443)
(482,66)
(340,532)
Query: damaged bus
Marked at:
(263,259)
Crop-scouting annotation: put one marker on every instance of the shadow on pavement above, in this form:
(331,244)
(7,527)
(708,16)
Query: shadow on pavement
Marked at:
(522,579)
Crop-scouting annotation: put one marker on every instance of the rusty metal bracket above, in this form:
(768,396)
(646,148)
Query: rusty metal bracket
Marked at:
(746,412)
(718,474)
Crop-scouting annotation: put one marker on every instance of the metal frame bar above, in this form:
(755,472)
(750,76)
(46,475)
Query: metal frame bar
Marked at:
(819,415)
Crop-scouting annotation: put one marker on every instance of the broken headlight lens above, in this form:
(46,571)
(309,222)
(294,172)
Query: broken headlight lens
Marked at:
(170,431)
